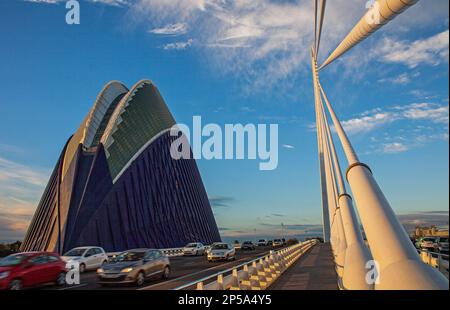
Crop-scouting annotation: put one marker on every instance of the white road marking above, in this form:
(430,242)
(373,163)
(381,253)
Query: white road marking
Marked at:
(73,286)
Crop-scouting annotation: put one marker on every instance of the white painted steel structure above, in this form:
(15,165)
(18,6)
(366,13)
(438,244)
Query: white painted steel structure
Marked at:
(399,265)
(378,15)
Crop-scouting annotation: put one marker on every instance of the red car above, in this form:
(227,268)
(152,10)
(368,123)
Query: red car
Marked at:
(31,269)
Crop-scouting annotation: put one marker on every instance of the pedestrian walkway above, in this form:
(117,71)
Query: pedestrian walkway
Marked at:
(314,271)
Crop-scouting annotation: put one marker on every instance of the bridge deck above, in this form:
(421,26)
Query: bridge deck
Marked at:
(314,271)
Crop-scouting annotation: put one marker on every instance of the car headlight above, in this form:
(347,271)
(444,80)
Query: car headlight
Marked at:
(100,270)
(128,269)
(4,274)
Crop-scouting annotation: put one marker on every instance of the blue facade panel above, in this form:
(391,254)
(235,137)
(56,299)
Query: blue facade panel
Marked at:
(158,202)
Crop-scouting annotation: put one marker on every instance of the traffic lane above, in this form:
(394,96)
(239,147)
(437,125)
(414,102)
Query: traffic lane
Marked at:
(184,269)
(194,270)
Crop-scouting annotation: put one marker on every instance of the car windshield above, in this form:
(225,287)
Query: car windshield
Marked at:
(12,260)
(76,252)
(247,242)
(191,245)
(277,240)
(262,240)
(444,240)
(429,239)
(220,247)
(129,256)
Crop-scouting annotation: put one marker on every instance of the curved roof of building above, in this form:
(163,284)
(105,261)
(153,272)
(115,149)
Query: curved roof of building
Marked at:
(93,125)
(102,110)
(140,116)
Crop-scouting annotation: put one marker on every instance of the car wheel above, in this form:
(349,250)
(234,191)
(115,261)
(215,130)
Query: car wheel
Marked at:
(15,285)
(61,279)
(82,268)
(140,279)
(104,262)
(166,272)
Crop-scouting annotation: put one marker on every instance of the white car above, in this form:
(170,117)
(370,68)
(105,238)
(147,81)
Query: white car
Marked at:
(277,242)
(221,251)
(237,245)
(194,248)
(262,242)
(88,257)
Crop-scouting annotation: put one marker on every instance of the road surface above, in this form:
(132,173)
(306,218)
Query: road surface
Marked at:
(184,269)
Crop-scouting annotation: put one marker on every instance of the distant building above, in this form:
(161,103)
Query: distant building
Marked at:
(430,231)
(115,184)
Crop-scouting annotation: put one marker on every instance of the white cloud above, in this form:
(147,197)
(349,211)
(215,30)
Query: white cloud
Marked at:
(170,29)
(261,41)
(20,190)
(401,79)
(11,171)
(44,1)
(288,146)
(118,3)
(178,45)
(395,147)
(426,111)
(429,51)
(367,123)
(400,128)
(265,42)
(373,119)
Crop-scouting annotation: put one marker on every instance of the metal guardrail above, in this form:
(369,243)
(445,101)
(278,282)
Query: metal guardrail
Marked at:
(257,274)
(436,260)
(171,252)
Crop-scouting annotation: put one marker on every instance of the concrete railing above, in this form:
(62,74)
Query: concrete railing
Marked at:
(257,274)
(436,260)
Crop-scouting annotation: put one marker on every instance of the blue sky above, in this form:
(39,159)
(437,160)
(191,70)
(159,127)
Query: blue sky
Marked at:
(232,62)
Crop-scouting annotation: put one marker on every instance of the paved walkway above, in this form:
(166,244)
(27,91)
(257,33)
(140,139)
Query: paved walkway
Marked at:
(314,271)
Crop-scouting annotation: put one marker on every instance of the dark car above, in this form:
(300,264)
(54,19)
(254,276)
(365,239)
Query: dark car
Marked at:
(30,269)
(270,243)
(134,267)
(248,245)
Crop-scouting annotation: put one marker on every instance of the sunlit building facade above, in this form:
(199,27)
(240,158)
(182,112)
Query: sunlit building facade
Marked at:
(115,184)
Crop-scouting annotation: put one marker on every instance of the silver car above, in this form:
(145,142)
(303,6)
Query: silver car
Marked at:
(194,248)
(134,266)
(221,251)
